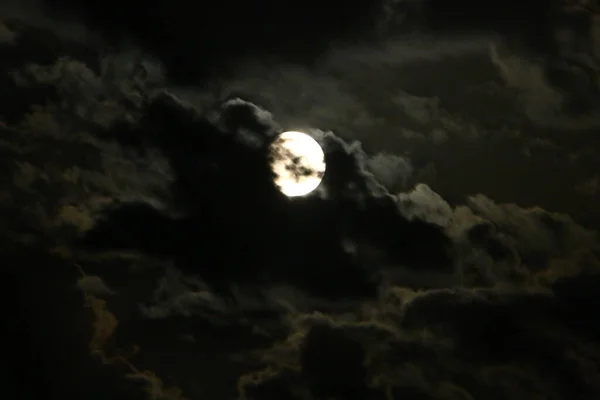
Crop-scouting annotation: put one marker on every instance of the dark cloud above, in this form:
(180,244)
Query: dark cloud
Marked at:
(6,35)
(194,41)
(516,329)
(94,285)
(227,187)
(200,279)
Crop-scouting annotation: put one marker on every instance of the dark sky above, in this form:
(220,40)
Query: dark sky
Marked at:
(450,253)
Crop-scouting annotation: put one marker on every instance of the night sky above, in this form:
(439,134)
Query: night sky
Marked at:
(450,253)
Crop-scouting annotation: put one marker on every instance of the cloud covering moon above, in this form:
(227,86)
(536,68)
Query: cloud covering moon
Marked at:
(298,163)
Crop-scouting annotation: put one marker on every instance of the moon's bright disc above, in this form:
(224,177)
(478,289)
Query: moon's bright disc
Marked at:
(297,162)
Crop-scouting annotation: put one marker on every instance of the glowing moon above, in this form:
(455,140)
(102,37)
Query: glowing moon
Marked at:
(298,163)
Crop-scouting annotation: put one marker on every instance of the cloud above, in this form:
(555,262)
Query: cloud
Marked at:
(479,342)
(391,170)
(567,103)
(337,97)
(539,99)
(494,235)
(423,203)
(96,97)
(501,310)
(94,104)
(6,35)
(166,200)
(94,285)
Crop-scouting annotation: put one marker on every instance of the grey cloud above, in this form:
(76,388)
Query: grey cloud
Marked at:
(75,194)
(397,15)
(406,50)
(177,294)
(538,98)
(589,187)
(91,101)
(505,243)
(424,203)
(535,232)
(32,13)
(439,136)
(338,96)
(391,170)
(6,35)
(78,217)
(110,95)
(253,125)
(400,343)
(94,285)
(544,103)
(421,109)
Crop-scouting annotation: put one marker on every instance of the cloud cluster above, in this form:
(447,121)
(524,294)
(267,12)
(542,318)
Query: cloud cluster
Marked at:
(375,287)
(416,297)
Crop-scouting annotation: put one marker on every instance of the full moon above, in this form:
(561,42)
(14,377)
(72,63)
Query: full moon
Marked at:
(298,163)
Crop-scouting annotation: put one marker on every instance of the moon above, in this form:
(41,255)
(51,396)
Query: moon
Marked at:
(297,162)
